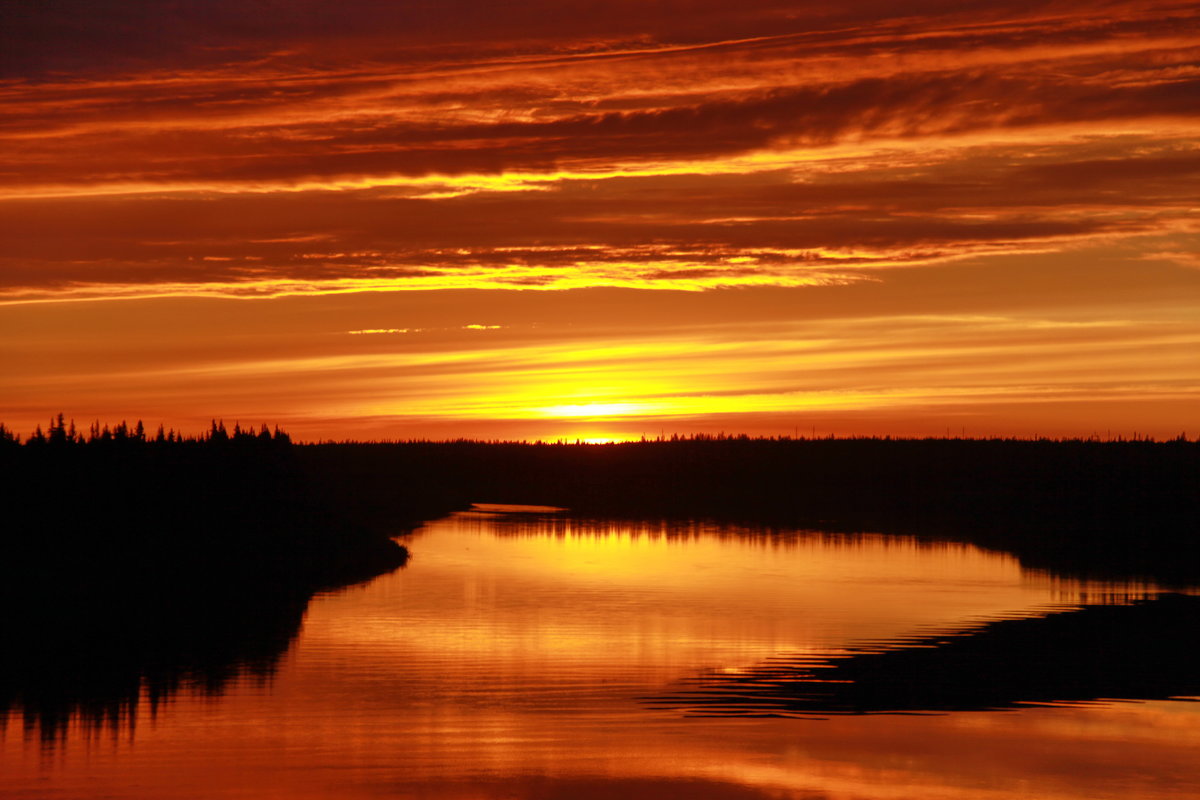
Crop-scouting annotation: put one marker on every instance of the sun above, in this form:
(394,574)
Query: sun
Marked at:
(592,410)
(598,437)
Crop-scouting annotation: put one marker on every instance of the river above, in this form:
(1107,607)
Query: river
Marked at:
(523,653)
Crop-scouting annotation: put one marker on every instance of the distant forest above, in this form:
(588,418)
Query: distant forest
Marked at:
(113,492)
(971,487)
(1132,502)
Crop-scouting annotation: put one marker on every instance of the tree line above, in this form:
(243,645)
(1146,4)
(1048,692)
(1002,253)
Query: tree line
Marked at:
(61,432)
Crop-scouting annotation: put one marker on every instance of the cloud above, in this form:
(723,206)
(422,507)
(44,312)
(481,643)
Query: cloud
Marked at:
(84,35)
(819,225)
(266,149)
(1189,259)
(283,95)
(383,330)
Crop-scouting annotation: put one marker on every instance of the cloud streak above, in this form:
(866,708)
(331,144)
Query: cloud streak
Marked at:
(829,226)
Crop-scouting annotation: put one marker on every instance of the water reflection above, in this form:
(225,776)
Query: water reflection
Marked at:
(515,654)
(99,668)
(94,662)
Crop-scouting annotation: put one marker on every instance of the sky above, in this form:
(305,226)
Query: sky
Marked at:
(550,219)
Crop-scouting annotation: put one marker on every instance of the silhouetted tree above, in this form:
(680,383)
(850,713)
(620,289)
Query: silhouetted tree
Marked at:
(37,438)
(57,434)
(8,438)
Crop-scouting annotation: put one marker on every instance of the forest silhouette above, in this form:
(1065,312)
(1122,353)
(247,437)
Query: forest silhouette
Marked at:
(138,564)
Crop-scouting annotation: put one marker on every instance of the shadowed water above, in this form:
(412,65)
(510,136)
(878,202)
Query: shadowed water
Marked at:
(529,654)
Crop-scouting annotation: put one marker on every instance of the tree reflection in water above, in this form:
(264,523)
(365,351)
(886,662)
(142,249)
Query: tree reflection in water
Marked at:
(1141,651)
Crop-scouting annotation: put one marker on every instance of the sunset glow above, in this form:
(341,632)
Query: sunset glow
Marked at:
(602,222)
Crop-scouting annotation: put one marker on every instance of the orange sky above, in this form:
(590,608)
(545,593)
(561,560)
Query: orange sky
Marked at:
(545,219)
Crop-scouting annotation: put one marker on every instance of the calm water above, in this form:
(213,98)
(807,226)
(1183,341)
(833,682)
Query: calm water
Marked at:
(529,655)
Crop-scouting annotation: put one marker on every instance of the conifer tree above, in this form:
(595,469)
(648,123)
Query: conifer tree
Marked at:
(58,431)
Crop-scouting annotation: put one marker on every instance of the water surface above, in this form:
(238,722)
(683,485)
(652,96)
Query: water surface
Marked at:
(531,655)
